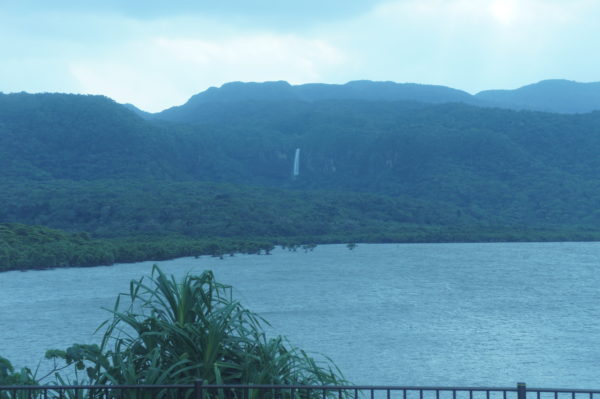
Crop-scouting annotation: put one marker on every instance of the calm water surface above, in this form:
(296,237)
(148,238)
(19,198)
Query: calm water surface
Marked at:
(422,314)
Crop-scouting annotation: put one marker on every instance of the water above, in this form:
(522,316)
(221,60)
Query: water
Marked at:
(422,314)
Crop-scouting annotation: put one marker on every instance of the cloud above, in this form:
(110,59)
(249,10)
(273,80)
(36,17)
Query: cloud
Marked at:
(269,13)
(469,12)
(475,45)
(157,59)
(160,72)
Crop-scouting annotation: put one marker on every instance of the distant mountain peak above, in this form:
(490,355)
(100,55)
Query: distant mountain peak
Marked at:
(552,95)
(366,90)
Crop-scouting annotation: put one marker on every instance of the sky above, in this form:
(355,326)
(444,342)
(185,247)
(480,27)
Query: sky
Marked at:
(155,54)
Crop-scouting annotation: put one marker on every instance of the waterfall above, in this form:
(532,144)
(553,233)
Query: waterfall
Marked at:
(296,171)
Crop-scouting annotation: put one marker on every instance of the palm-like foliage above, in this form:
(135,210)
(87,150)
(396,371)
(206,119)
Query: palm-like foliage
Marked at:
(178,332)
(10,376)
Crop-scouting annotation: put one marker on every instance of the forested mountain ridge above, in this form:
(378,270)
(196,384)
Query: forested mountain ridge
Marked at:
(556,95)
(374,171)
(79,137)
(464,155)
(235,92)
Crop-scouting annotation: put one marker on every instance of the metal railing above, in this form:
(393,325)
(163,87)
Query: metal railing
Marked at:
(199,391)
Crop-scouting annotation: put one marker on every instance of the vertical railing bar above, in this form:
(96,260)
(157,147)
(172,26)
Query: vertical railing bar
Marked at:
(404,395)
(420,394)
(454,394)
(521,390)
(356,394)
(437,394)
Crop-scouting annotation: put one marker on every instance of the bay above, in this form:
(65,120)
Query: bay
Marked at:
(401,314)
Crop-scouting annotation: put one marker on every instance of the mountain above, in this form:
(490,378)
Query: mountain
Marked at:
(559,96)
(137,111)
(563,96)
(511,167)
(238,92)
(65,136)
(376,170)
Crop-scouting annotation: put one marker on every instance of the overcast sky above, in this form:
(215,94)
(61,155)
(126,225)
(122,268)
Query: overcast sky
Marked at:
(156,55)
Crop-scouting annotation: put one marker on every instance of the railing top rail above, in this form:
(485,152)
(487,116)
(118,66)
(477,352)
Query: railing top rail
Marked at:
(311,387)
(64,387)
(263,386)
(563,390)
(361,387)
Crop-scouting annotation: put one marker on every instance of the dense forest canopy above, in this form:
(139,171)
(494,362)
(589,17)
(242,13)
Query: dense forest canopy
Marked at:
(374,166)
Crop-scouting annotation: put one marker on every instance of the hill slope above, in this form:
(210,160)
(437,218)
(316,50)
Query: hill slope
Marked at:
(463,155)
(236,92)
(549,95)
(369,170)
(560,96)
(73,136)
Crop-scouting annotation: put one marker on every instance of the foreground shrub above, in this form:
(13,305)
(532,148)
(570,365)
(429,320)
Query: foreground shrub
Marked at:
(169,332)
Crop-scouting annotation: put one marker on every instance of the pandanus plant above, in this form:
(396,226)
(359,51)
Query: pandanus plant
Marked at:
(169,332)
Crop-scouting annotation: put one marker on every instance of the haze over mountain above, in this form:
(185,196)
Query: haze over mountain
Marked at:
(549,95)
(561,96)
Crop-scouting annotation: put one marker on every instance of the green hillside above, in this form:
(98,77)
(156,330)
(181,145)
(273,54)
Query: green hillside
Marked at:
(376,171)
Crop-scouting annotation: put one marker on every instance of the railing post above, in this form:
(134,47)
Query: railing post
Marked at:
(198,391)
(521,390)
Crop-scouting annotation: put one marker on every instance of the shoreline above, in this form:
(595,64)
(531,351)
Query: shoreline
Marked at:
(231,247)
